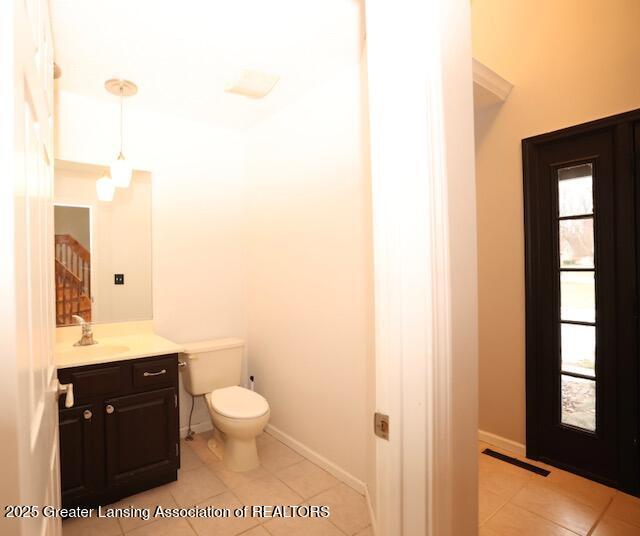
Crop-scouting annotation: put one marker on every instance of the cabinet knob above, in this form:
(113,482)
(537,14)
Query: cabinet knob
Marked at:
(87,414)
(109,409)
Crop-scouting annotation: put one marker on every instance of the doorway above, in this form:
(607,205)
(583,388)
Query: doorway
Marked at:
(72,261)
(581,241)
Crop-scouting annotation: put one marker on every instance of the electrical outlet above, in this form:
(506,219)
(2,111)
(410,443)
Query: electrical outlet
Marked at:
(118,279)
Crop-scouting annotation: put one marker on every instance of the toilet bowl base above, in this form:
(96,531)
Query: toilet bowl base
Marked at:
(238,455)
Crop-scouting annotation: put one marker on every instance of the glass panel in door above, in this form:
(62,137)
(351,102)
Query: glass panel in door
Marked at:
(577,279)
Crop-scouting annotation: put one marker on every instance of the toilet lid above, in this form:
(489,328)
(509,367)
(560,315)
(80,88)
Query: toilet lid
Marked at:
(238,403)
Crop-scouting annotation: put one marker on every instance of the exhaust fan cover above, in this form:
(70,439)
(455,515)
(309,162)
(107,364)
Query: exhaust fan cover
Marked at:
(254,84)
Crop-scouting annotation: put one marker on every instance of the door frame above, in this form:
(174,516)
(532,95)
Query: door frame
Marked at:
(623,152)
(425,266)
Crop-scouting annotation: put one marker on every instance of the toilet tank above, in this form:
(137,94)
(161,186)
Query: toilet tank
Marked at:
(212,365)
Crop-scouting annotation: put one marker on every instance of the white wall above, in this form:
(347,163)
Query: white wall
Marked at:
(197,174)
(120,242)
(570,62)
(269,228)
(309,270)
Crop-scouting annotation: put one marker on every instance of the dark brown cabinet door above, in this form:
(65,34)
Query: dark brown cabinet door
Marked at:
(582,348)
(80,461)
(141,436)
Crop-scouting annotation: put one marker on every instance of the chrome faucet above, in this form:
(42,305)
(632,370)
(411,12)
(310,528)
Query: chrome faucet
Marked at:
(87,334)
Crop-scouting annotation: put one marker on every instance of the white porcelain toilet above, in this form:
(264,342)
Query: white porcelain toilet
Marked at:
(213,369)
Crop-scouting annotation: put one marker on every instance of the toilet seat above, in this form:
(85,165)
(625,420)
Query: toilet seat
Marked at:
(238,403)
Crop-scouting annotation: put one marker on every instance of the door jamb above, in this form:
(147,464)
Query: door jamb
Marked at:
(424,235)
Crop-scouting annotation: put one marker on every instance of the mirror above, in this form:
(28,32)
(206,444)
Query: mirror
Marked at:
(102,248)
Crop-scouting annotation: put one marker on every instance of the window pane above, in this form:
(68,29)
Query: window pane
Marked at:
(579,402)
(576,243)
(578,348)
(577,296)
(575,193)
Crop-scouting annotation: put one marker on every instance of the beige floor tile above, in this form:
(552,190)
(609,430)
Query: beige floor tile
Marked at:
(223,526)
(150,499)
(233,479)
(195,486)
(199,447)
(306,478)
(91,526)
(188,458)
(256,531)
(366,532)
(267,490)
(302,526)
(626,508)
(165,527)
(582,489)
(514,521)
(275,455)
(264,438)
(348,508)
(501,478)
(488,504)
(555,503)
(610,526)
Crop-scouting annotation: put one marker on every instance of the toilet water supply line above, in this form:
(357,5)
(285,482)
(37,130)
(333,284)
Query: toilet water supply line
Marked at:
(190,432)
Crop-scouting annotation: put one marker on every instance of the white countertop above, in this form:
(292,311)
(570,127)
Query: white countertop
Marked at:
(115,342)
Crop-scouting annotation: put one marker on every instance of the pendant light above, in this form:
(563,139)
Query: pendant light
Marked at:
(121,168)
(105,188)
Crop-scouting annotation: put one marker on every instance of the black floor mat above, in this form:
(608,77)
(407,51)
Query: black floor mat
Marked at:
(515,461)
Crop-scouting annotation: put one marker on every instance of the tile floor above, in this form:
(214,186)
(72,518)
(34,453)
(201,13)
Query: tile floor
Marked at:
(516,502)
(512,501)
(284,477)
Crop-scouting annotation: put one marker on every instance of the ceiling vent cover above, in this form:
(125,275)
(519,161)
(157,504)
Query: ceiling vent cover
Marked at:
(254,84)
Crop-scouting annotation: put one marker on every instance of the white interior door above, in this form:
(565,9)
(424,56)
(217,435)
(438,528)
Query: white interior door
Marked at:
(29,425)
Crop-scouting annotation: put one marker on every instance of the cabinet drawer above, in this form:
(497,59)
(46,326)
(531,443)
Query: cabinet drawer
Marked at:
(97,382)
(154,373)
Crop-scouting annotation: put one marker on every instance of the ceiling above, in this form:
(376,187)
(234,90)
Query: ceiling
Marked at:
(181,54)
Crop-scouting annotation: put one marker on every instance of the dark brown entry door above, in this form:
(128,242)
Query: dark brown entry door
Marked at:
(581,244)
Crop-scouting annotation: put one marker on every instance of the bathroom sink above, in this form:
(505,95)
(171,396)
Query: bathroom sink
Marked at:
(93,351)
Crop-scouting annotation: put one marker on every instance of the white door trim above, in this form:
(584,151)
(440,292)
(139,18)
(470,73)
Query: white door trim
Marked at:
(419,62)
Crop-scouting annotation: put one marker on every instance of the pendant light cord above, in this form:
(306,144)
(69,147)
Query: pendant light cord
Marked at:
(121,127)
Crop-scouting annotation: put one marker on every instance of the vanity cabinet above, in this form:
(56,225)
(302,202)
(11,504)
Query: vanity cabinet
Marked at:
(77,442)
(121,437)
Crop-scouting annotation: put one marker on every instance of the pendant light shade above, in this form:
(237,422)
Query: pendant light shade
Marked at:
(121,172)
(105,189)
(121,169)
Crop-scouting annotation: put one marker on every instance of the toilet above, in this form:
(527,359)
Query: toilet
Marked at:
(213,369)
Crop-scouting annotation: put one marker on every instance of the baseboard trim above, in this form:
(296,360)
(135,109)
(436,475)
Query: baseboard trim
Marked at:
(318,459)
(198,428)
(502,442)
